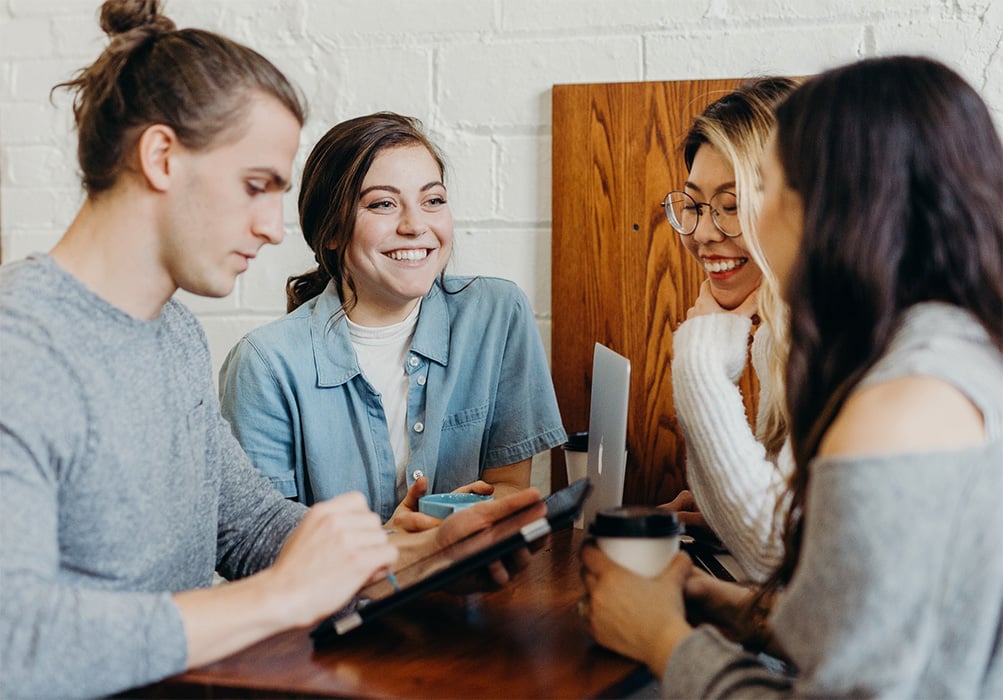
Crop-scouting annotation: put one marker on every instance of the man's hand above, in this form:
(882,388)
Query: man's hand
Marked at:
(339,546)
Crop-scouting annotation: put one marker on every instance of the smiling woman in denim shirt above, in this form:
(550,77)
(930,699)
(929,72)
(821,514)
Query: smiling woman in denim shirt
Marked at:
(388,376)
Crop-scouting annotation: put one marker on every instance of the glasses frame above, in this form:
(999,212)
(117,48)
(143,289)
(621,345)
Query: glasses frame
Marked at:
(714,213)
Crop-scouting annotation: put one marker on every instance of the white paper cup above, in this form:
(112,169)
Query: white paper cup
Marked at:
(640,538)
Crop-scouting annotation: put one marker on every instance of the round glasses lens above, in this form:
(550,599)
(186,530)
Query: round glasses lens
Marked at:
(682,212)
(724,209)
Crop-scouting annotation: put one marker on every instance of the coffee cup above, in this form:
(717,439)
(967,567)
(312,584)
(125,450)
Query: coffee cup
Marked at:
(641,538)
(576,456)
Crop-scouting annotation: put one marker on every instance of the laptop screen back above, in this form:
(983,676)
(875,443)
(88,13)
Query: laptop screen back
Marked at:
(607,460)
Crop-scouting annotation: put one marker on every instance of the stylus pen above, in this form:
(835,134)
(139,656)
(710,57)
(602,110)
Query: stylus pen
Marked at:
(393,581)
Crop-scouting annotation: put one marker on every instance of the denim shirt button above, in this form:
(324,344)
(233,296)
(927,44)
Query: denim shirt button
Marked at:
(417,474)
(421,380)
(413,361)
(419,427)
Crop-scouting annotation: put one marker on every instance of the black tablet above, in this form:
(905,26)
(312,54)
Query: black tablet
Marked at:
(445,565)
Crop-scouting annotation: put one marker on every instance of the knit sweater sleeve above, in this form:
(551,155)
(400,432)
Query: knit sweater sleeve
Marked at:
(735,485)
(255,519)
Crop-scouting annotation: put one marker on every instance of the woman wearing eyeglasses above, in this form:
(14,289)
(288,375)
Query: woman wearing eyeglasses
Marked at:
(736,475)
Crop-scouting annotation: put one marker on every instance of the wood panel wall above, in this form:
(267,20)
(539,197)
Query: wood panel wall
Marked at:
(620,274)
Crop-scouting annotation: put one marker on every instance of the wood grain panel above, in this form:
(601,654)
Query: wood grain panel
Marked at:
(620,274)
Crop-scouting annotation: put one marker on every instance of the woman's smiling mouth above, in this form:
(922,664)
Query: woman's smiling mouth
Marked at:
(723,264)
(409,254)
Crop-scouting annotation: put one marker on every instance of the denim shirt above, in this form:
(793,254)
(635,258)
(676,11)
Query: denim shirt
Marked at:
(480,396)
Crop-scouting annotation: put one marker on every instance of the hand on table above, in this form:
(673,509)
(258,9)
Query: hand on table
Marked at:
(642,618)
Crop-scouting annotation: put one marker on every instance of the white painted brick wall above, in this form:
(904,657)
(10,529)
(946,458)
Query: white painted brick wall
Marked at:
(478,73)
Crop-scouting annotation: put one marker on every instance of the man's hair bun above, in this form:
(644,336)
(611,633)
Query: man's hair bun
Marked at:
(122,16)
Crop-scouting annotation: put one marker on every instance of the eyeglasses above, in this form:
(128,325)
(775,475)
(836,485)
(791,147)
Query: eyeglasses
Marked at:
(683,212)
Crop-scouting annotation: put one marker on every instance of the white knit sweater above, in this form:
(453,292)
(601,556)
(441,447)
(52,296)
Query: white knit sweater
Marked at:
(735,485)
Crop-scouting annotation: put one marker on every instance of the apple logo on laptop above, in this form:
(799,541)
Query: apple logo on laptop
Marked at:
(599,459)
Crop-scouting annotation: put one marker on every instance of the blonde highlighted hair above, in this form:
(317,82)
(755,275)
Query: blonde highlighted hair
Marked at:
(738,126)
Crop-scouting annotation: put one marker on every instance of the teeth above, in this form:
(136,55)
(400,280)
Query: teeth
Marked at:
(412,254)
(723,265)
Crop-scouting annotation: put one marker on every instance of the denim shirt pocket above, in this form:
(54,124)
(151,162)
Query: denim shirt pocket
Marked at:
(466,419)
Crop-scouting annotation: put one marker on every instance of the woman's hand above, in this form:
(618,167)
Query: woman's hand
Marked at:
(469,521)
(643,618)
(684,505)
(707,304)
(720,603)
(407,517)
(477,517)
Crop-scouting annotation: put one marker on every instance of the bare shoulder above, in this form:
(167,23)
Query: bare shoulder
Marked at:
(907,414)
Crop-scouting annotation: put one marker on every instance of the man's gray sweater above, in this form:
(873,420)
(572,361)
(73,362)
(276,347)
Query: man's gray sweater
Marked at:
(120,483)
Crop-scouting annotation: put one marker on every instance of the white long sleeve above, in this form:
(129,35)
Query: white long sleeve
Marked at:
(735,486)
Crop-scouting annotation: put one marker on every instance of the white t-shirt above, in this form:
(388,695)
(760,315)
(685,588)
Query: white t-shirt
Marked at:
(382,355)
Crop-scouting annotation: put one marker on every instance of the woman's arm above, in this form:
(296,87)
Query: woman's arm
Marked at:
(735,485)
(509,479)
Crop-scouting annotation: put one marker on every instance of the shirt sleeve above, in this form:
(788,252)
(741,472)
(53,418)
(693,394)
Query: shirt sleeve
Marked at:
(735,485)
(525,419)
(260,415)
(706,665)
(58,640)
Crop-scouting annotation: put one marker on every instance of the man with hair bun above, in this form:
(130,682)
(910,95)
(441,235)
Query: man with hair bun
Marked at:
(122,488)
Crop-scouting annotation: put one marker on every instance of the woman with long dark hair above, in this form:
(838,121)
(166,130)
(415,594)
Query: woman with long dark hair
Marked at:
(883,219)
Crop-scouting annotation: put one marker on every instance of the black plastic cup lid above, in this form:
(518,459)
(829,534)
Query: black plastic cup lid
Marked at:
(635,521)
(577,442)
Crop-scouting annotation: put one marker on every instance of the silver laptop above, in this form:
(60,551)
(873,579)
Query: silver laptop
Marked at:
(607,460)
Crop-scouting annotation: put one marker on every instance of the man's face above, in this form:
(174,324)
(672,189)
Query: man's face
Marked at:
(228,200)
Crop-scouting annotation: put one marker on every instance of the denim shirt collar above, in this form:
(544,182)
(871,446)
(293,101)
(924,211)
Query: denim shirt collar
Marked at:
(334,355)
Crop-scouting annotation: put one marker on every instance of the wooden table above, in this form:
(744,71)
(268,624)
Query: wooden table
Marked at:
(525,641)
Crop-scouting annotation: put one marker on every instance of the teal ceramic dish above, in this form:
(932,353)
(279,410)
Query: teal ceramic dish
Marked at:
(439,505)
